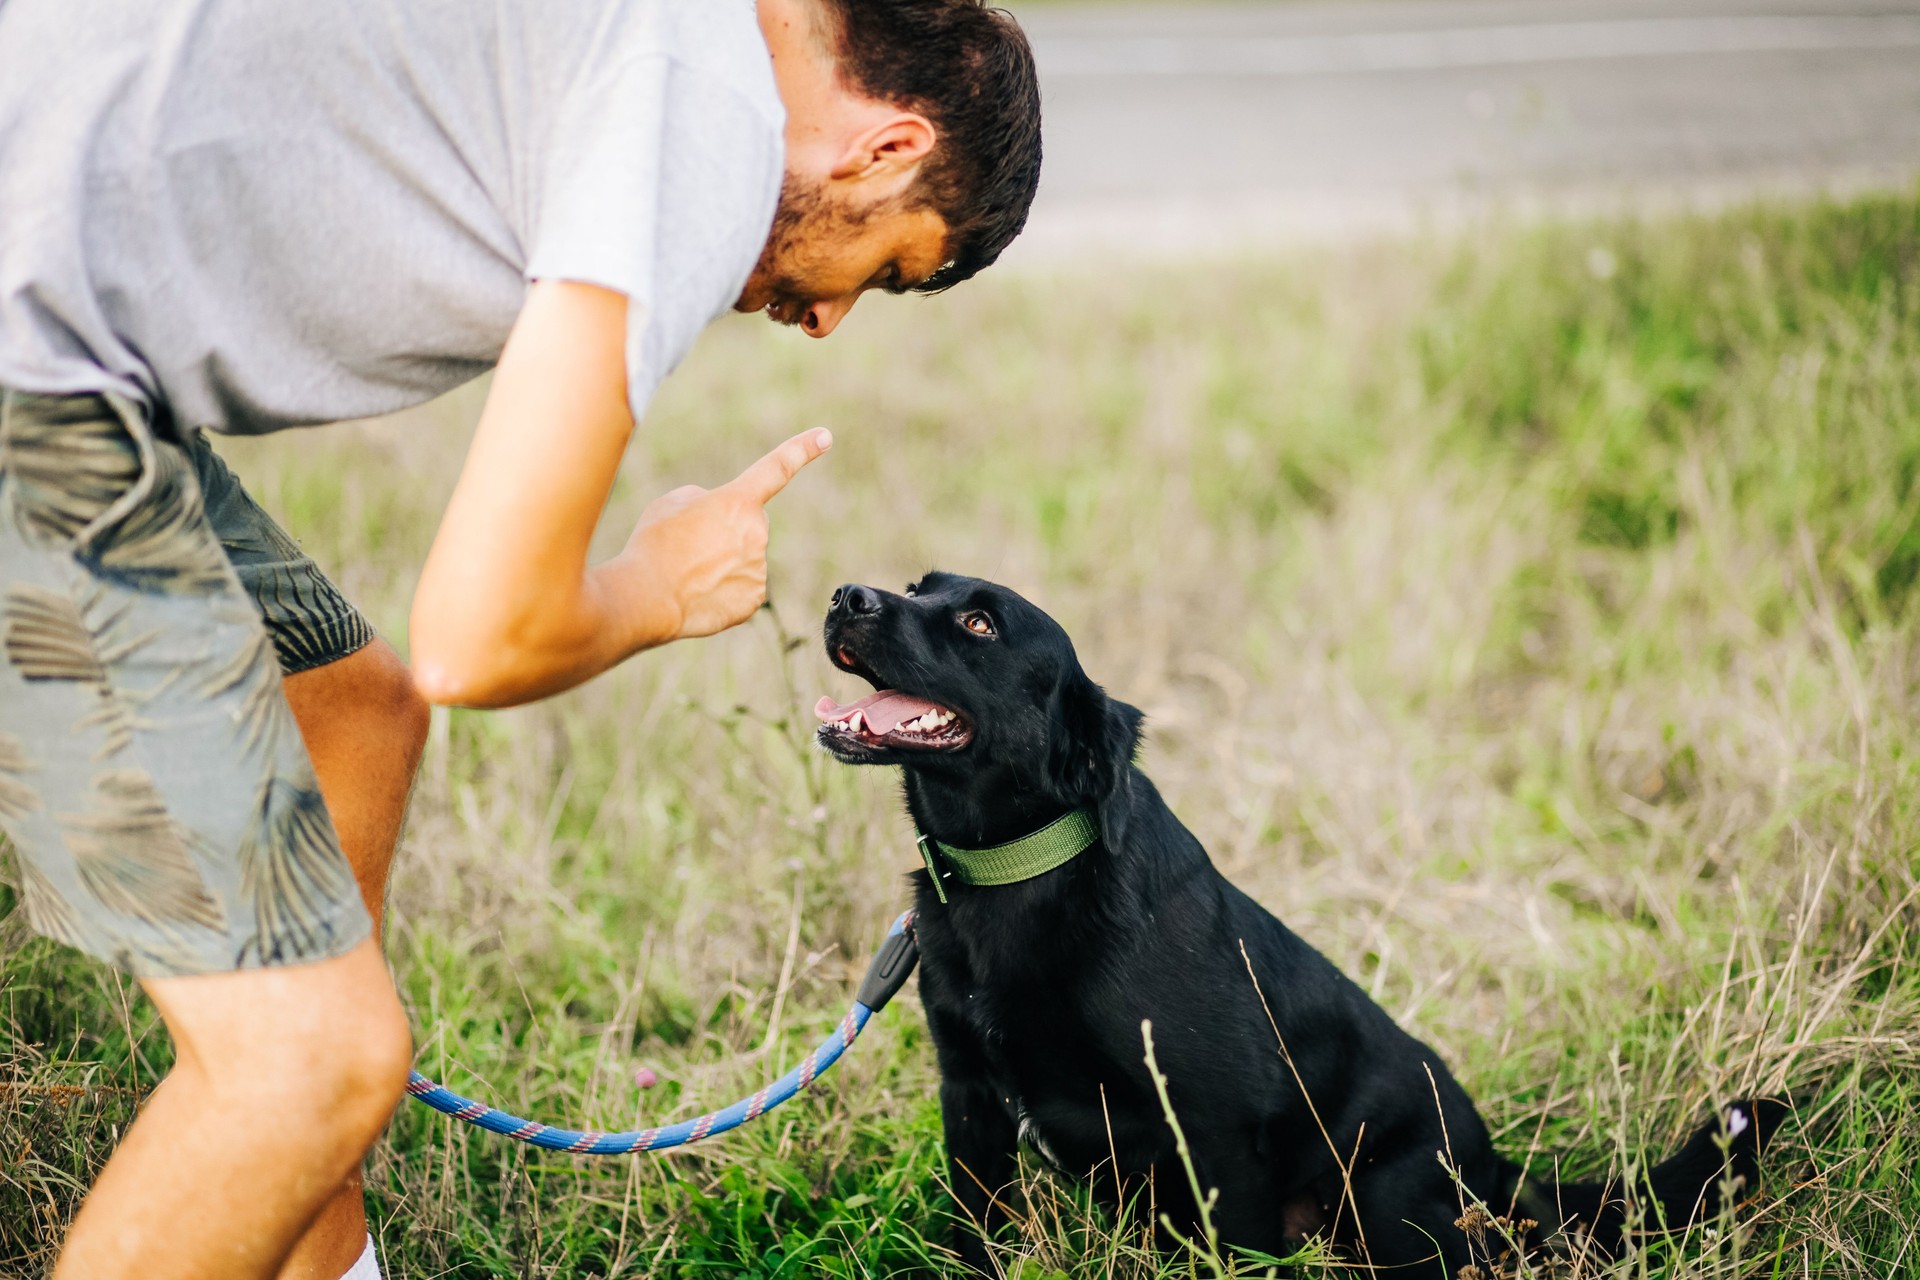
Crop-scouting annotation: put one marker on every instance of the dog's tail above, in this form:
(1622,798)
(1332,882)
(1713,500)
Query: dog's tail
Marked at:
(1718,1166)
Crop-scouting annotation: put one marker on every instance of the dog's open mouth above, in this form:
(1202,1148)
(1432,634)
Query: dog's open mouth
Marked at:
(890,718)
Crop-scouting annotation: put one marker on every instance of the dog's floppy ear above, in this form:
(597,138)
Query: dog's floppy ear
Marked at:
(1090,744)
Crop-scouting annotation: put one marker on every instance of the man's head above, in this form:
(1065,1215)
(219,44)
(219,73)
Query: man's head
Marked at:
(913,150)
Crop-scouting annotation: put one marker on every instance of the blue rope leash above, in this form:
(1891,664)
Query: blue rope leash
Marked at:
(885,976)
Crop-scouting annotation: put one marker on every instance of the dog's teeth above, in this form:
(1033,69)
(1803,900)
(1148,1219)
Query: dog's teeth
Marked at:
(929,721)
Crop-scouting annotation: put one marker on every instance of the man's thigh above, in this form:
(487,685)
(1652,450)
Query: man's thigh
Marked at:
(311,623)
(363,721)
(152,779)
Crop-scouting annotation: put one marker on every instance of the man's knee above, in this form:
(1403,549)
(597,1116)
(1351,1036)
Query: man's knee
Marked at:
(350,1078)
(332,1035)
(368,696)
(349,1056)
(369,1075)
(397,698)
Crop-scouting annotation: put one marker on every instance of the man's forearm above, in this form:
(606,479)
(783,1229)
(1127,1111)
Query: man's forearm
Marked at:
(507,610)
(505,655)
(510,661)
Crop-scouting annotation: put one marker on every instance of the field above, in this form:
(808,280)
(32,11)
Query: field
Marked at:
(1528,617)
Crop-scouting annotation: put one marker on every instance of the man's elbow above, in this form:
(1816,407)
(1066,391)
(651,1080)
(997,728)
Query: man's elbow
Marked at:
(457,668)
(456,684)
(496,656)
(482,670)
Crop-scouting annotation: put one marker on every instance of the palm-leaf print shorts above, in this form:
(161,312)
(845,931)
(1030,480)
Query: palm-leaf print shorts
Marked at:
(153,784)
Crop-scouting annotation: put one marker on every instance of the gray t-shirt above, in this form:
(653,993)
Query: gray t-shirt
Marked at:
(271,213)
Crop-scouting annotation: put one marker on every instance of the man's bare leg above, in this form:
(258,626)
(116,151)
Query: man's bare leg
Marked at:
(282,1080)
(365,726)
(218,1176)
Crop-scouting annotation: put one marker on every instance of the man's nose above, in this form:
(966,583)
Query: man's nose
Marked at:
(822,318)
(854,600)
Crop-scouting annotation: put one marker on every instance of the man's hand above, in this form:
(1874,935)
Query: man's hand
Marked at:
(700,555)
(507,610)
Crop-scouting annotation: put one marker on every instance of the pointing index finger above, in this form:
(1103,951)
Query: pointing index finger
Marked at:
(772,473)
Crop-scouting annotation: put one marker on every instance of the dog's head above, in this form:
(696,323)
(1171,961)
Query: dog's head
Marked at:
(975,687)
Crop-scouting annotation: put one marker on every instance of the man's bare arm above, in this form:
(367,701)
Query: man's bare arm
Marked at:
(508,609)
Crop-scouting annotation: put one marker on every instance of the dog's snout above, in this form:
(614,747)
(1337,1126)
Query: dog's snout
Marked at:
(855,600)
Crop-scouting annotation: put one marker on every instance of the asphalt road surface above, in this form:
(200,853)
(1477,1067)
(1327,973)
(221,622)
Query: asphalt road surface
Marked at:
(1194,127)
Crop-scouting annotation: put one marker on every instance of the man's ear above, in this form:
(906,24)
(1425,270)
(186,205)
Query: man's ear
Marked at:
(1091,739)
(895,144)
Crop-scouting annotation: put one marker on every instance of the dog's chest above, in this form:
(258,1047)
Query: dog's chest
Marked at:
(1019,1014)
(1065,1089)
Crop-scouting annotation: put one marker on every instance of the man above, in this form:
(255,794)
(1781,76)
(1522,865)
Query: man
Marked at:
(243,215)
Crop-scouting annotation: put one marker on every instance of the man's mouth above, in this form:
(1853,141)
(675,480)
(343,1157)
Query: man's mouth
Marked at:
(785,309)
(773,298)
(890,718)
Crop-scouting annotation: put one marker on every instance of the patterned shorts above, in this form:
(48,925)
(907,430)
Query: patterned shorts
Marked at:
(153,784)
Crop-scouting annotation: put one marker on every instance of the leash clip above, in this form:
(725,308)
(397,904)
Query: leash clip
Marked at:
(933,867)
(890,967)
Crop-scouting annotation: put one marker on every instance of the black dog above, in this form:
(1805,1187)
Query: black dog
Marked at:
(1305,1105)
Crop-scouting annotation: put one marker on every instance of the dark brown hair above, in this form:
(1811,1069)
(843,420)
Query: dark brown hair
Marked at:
(969,70)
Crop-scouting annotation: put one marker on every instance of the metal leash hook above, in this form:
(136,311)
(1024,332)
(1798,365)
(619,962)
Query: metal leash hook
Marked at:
(885,976)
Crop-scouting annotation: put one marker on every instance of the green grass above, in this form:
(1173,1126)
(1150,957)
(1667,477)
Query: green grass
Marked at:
(1530,619)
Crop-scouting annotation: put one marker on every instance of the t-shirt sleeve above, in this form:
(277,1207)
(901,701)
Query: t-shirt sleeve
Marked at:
(661,184)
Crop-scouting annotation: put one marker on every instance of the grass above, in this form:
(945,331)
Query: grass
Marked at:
(1528,618)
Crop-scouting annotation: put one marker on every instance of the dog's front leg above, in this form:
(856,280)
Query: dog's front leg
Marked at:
(981,1144)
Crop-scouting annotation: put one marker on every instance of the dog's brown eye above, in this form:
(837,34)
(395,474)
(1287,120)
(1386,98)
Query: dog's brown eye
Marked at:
(978,623)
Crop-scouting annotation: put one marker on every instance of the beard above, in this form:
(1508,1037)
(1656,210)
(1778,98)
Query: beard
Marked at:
(806,224)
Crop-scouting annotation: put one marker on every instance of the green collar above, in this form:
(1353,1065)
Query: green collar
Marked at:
(1054,845)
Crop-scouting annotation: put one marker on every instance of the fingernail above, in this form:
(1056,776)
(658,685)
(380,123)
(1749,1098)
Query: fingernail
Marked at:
(823,439)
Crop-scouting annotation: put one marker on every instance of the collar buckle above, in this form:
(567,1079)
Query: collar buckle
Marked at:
(928,856)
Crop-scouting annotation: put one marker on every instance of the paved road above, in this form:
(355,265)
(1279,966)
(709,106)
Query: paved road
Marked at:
(1183,126)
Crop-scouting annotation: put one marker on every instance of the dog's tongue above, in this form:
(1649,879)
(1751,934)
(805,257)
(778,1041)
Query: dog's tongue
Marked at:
(883,712)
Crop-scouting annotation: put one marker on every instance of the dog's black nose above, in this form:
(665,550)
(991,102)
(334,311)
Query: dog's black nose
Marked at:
(855,600)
